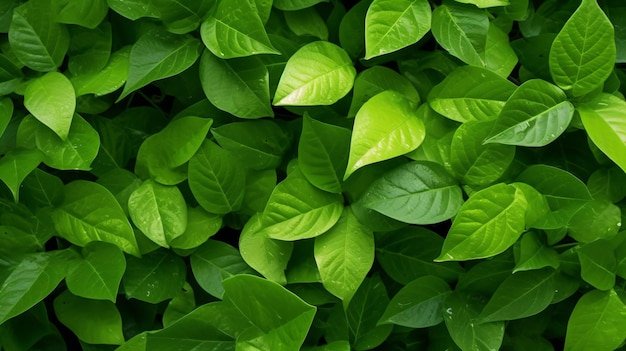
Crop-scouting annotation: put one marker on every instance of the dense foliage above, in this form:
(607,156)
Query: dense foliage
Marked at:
(312,174)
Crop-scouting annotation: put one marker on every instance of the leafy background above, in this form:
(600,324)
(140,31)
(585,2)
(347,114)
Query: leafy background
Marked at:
(310,174)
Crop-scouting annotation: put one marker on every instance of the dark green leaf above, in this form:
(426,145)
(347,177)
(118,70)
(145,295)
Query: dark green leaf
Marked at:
(461,314)
(156,277)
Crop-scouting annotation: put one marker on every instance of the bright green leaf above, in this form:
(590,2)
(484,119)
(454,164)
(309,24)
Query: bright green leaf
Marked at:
(107,80)
(319,73)
(386,126)
(201,225)
(485,3)
(51,99)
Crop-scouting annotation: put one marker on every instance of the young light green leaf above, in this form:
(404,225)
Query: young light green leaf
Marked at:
(485,3)
(471,94)
(99,273)
(472,161)
(235,30)
(159,54)
(319,73)
(51,99)
(85,13)
(159,211)
(161,155)
(603,118)
(15,165)
(532,253)
(228,82)
(419,304)
(598,321)
(216,181)
(364,311)
(583,54)
(487,224)
(91,213)
(344,256)
(418,192)
(500,58)
(29,280)
(377,79)
(77,152)
(408,254)
(267,256)
(323,153)
(201,225)
(521,295)
(598,264)
(535,115)
(297,210)
(36,39)
(155,277)
(107,80)
(259,145)
(307,22)
(93,321)
(461,315)
(386,126)
(215,261)
(280,319)
(462,30)
(391,25)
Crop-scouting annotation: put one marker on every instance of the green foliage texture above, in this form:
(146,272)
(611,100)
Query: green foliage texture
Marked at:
(277,175)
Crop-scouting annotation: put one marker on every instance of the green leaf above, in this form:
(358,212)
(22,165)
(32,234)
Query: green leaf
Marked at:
(42,189)
(472,161)
(90,49)
(267,256)
(408,254)
(292,5)
(598,321)
(462,321)
(418,192)
(201,225)
(386,126)
(471,94)
(93,321)
(91,213)
(85,13)
(533,253)
(179,306)
(486,3)
(228,82)
(278,318)
(155,277)
(597,219)
(134,9)
(28,280)
(344,256)
(99,273)
(297,210)
(323,153)
(419,304)
(598,264)
(77,152)
(235,30)
(105,81)
(535,115)
(159,54)
(462,31)
(365,309)
(391,25)
(159,211)
(215,180)
(6,112)
(603,118)
(259,145)
(161,155)
(608,184)
(183,16)
(319,73)
(307,22)
(487,224)
(51,99)
(521,295)
(35,38)
(215,261)
(352,29)
(16,165)
(377,79)
(583,54)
